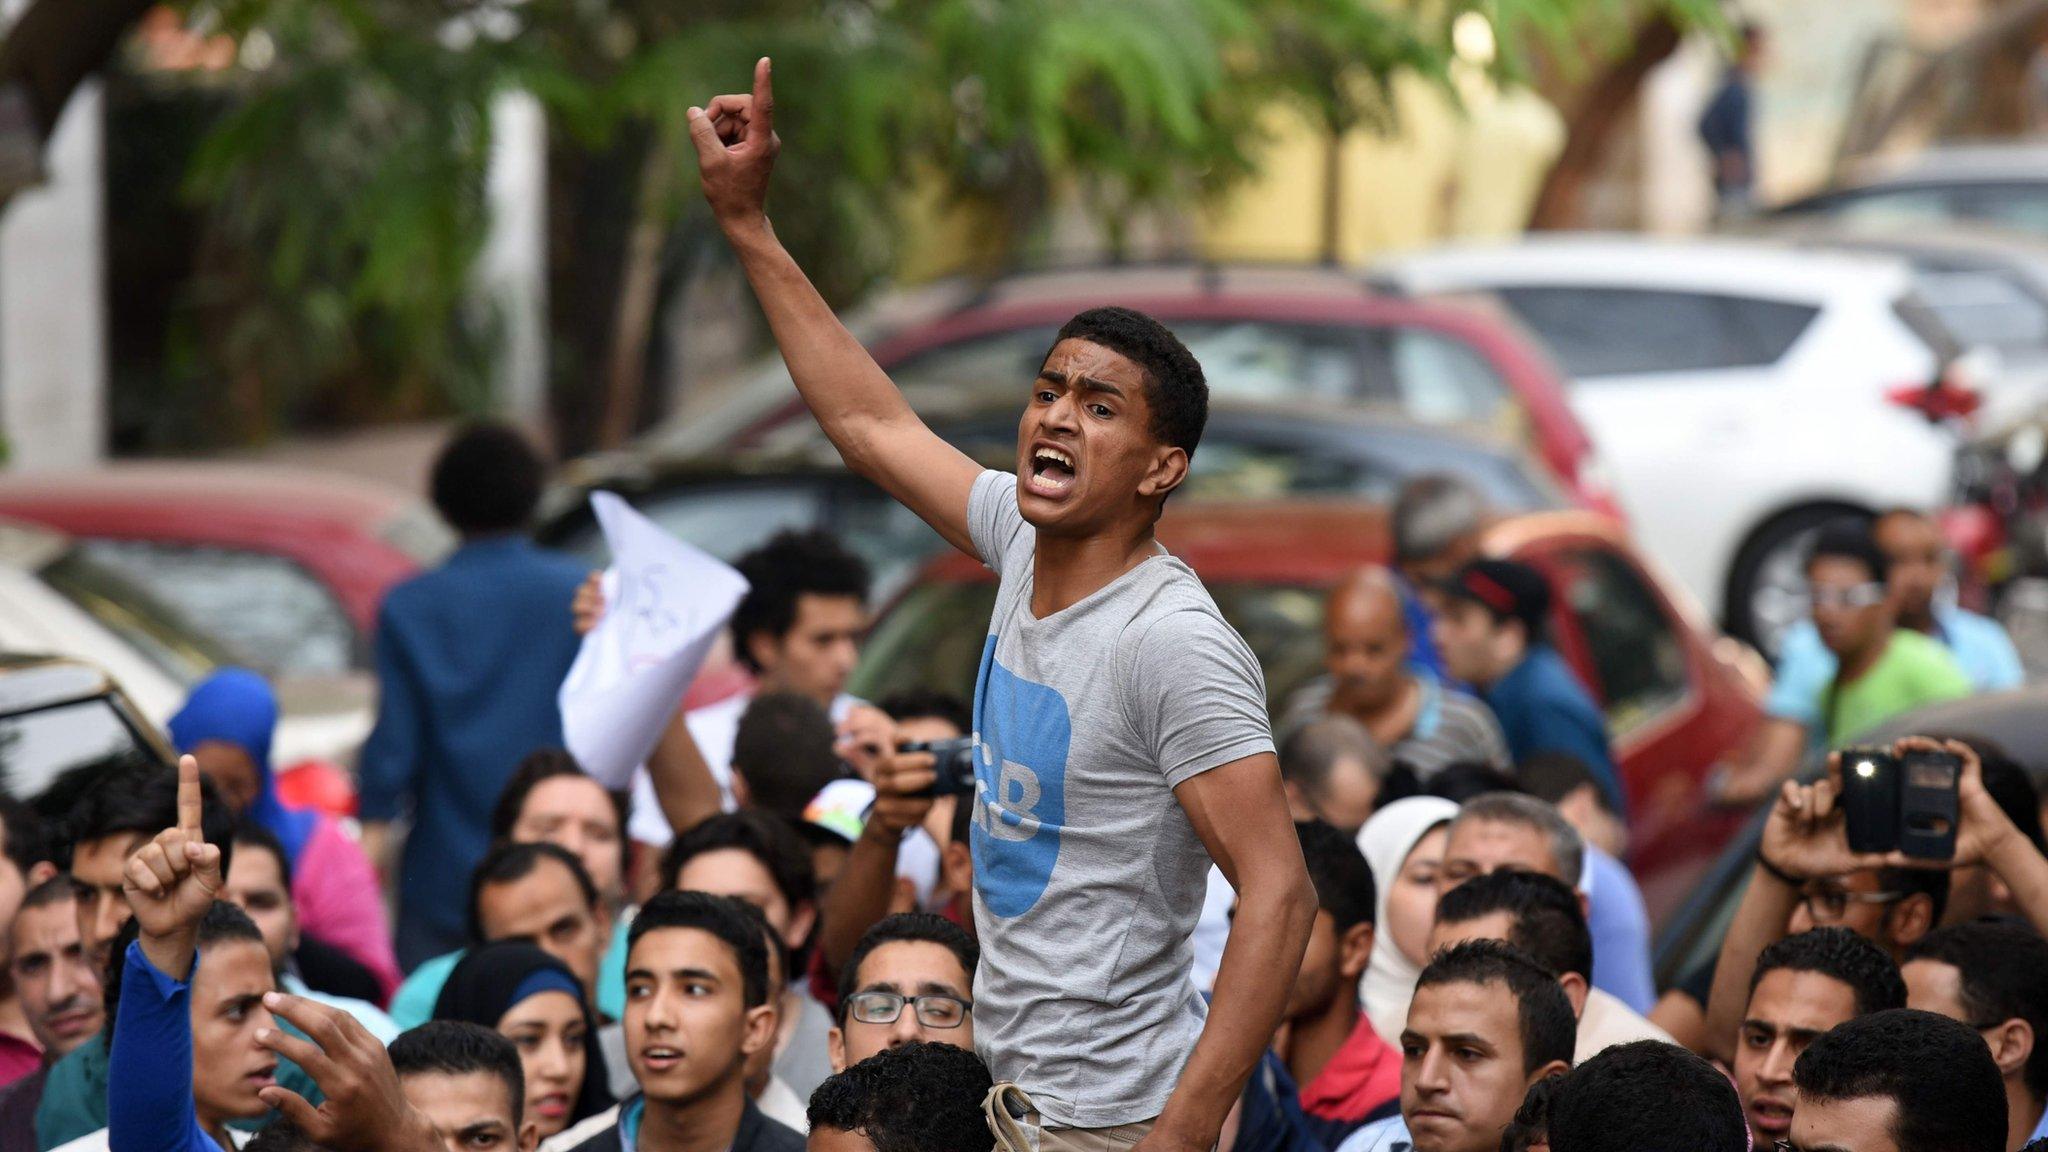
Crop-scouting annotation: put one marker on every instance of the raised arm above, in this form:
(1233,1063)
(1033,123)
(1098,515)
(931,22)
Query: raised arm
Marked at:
(855,402)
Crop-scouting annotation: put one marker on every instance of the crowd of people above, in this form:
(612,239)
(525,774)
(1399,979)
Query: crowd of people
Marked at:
(1407,924)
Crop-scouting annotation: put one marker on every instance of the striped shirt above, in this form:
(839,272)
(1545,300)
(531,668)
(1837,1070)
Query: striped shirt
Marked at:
(1450,726)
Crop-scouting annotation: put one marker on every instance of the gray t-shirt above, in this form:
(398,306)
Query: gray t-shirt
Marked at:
(1088,877)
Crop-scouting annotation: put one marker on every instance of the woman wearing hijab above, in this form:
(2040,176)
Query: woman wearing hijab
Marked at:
(1404,845)
(533,1000)
(227,724)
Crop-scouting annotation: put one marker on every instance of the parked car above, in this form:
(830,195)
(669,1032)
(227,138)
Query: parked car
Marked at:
(1261,334)
(1247,452)
(57,599)
(2004,185)
(57,714)
(285,567)
(1744,393)
(1676,697)
(2016,721)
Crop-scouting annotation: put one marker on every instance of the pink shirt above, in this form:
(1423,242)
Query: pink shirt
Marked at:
(340,902)
(18,1058)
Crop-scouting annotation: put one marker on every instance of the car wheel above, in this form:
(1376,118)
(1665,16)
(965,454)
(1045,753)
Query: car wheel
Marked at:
(1767,586)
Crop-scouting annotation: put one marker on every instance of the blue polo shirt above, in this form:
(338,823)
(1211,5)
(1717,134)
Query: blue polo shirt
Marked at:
(1542,707)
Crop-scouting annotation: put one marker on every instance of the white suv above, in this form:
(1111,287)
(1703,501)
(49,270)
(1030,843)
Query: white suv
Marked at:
(1741,392)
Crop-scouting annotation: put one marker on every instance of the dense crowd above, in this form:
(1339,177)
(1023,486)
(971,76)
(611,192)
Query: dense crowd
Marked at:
(1406,923)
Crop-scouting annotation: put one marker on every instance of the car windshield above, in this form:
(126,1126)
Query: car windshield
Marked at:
(933,637)
(163,637)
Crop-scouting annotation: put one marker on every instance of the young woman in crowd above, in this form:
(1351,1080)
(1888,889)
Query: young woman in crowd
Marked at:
(226,725)
(1404,844)
(533,1000)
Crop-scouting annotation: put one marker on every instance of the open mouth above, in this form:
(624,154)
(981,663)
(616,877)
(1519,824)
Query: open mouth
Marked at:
(1052,470)
(661,1058)
(1771,1116)
(263,1077)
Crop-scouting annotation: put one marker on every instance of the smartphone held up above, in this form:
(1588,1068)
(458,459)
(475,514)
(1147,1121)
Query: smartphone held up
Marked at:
(1901,802)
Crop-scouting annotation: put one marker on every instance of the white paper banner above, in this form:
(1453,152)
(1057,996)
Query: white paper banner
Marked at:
(665,604)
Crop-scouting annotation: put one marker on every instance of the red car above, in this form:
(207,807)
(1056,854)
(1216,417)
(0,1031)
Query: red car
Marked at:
(1676,697)
(285,566)
(1295,334)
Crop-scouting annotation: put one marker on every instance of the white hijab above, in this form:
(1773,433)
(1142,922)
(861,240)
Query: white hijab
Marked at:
(1386,840)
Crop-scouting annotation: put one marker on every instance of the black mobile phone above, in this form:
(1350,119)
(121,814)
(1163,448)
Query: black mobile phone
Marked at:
(1870,798)
(952,762)
(1929,806)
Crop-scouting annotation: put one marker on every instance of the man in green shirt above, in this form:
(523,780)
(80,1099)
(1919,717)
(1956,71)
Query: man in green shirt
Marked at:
(1882,669)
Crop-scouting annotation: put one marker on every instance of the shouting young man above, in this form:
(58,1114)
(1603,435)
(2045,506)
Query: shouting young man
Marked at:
(1121,738)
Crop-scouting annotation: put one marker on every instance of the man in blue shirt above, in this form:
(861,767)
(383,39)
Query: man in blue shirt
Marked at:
(1725,127)
(1490,634)
(470,657)
(1915,572)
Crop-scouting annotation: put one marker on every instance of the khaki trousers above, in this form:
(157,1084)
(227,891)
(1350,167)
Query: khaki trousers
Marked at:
(1117,1139)
(1017,1127)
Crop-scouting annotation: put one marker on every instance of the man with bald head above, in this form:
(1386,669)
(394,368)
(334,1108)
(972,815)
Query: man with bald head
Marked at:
(1422,722)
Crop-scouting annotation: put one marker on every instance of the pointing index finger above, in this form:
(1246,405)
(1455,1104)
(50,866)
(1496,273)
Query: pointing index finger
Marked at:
(764,98)
(191,805)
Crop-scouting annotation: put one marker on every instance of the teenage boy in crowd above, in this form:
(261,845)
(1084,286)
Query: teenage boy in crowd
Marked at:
(1370,677)
(1898,1081)
(470,657)
(1542,916)
(1103,780)
(1486,1024)
(1915,571)
(1881,669)
(1497,830)
(1805,875)
(696,1008)
(260,884)
(1344,1071)
(1803,986)
(1491,631)
(914,1098)
(466,1080)
(910,981)
(1989,975)
(60,995)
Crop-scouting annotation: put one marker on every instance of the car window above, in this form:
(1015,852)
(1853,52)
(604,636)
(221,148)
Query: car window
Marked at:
(1635,649)
(266,608)
(727,521)
(2018,205)
(1595,331)
(1442,380)
(1983,308)
(933,638)
(36,747)
(161,635)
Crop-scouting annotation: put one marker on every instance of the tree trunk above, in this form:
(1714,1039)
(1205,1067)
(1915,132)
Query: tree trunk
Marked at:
(1600,108)
(626,366)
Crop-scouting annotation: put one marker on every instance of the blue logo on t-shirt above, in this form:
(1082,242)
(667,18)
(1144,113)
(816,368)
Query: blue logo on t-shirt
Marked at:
(1022,732)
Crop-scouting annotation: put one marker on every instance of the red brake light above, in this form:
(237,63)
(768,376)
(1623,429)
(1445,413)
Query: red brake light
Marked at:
(1941,400)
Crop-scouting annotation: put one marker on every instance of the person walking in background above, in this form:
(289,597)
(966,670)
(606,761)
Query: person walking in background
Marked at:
(470,657)
(227,724)
(1726,127)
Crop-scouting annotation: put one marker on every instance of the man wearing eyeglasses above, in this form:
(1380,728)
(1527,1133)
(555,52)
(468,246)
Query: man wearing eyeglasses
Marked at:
(1876,643)
(909,980)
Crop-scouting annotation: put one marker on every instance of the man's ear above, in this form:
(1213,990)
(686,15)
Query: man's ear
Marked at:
(41,871)
(1909,920)
(1554,1068)
(1169,467)
(1575,990)
(2012,1045)
(765,649)
(835,1048)
(802,919)
(529,1135)
(1354,951)
(761,1025)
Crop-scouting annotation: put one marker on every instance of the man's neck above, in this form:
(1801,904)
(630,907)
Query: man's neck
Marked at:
(1853,666)
(2022,1112)
(1389,720)
(707,1122)
(1921,621)
(1066,570)
(1313,1040)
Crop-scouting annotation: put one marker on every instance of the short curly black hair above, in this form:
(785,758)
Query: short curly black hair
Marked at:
(1843,955)
(912,1098)
(1938,1073)
(1175,389)
(487,479)
(1646,1094)
(790,565)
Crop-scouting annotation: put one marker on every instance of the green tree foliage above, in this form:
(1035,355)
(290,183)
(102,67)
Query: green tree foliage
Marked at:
(349,174)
